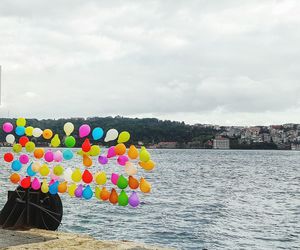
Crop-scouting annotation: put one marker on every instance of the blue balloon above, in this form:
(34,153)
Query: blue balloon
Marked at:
(97,133)
(29,171)
(68,154)
(53,189)
(16,165)
(20,131)
(87,193)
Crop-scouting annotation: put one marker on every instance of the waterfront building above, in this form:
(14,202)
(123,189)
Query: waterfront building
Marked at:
(221,143)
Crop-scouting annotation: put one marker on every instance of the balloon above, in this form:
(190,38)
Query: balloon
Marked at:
(97,192)
(144,155)
(58,170)
(120,149)
(133,153)
(8,157)
(30,146)
(87,193)
(7,127)
(124,137)
(68,128)
(102,159)
(67,154)
(29,171)
(15,178)
(10,138)
(24,159)
(68,175)
(17,148)
(78,191)
(37,132)
(58,156)
(38,153)
(47,134)
(45,187)
(53,189)
(25,182)
(87,161)
(62,187)
(35,185)
(111,135)
(130,169)
(134,199)
(149,165)
(49,157)
(122,159)
(71,189)
(44,170)
(100,178)
(86,145)
(95,150)
(113,198)
(55,142)
(21,122)
(133,183)
(104,194)
(20,131)
(123,199)
(70,141)
(145,186)
(23,140)
(76,175)
(122,182)
(114,178)
(84,130)
(29,131)
(87,177)
(97,133)
(16,165)
(111,152)
(36,166)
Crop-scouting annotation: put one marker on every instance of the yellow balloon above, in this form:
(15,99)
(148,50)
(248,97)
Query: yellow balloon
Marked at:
(144,155)
(123,137)
(36,167)
(28,131)
(71,189)
(145,186)
(149,165)
(55,142)
(21,122)
(68,128)
(58,170)
(45,187)
(30,146)
(44,170)
(17,148)
(95,150)
(97,192)
(101,178)
(76,175)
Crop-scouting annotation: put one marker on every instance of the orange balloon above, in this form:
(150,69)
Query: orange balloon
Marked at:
(149,165)
(104,194)
(120,149)
(38,153)
(113,198)
(145,186)
(133,153)
(47,134)
(15,178)
(62,187)
(87,161)
(133,183)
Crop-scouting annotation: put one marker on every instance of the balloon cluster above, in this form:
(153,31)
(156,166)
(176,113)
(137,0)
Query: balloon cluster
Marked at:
(44,167)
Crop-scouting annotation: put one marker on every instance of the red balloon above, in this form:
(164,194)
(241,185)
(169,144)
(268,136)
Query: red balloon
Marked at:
(8,157)
(26,182)
(87,177)
(86,145)
(23,140)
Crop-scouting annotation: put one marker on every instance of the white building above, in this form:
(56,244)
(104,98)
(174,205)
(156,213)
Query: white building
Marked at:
(221,143)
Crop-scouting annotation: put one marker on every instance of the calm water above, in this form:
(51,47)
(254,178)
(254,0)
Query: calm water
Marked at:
(202,199)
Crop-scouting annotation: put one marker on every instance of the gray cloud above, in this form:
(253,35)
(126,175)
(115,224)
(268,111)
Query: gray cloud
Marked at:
(199,61)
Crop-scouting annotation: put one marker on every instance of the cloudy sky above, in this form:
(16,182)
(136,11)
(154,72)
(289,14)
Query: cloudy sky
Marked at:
(220,62)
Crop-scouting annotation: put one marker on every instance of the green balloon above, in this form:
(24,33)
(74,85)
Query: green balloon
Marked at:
(123,199)
(70,141)
(122,182)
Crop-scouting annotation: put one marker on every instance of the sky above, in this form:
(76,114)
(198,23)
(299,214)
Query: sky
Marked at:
(217,62)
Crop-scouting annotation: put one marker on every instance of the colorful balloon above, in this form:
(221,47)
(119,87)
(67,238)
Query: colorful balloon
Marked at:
(70,141)
(24,159)
(35,185)
(68,154)
(44,170)
(76,175)
(122,160)
(8,157)
(149,165)
(111,152)
(122,182)
(25,182)
(120,149)
(104,194)
(87,161)
(21,122)
(71,189)
(114,178)
(123,199)
(97,192)
(111,135)
(84,130)
(36,166)
(133,153)
(55,142)
(97,133)
(87,193)
(78,191)
(68,128)
(37,132)
(87,177)
(38,153)
(68,175)
(130,169)
(86,145)
(30,146)
(58,170)
(49,157)
(10,139)
(100,178)
(133,182)
(7,127)
(15,178)
(45,187)
(58,156)
(62,187)
(102,159)
(145,186)
(113,198)
(124,136)
(95,150)
(16,165)
(23,140)
(29,171)
(53,189)
(47,134)
(134,200)
(17,148)
(20,131)
(144,155)
(29,131)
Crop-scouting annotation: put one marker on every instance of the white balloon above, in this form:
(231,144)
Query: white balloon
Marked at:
(111,135)
(10,138)
(37,132)
(68,175)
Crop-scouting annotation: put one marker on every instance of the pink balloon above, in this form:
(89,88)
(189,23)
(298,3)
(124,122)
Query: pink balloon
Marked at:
(7,127)
(114,178)
(111,152)
(122,159)
(84,130)
(24,159)
(102,159)
(35,184)
(49,157)
(58,156)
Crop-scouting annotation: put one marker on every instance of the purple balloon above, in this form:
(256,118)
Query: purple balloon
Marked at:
(134,199)
(122,159)
(78,191)
(102,159)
